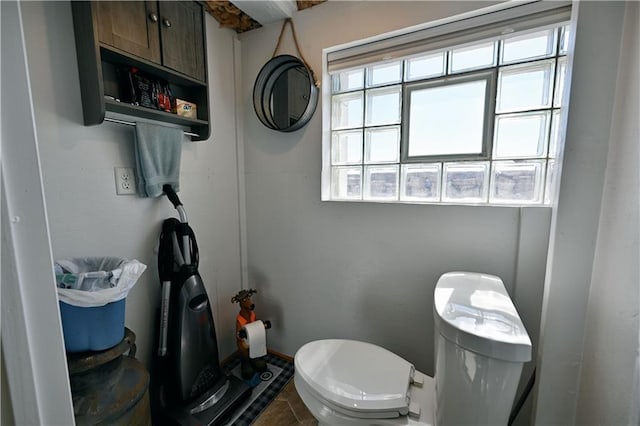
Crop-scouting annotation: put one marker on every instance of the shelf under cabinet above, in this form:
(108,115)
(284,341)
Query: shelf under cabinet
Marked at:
(151,114)
(200,127)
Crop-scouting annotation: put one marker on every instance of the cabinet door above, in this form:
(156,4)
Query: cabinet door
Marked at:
(131,26)
(181,31)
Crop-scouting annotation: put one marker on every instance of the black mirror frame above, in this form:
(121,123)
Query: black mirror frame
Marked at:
(263,87)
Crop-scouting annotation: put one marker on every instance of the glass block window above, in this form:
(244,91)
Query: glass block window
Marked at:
(475,123)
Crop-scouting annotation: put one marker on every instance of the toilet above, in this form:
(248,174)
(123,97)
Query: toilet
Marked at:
(480,347)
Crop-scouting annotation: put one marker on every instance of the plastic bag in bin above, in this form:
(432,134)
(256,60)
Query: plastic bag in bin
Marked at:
(96,281)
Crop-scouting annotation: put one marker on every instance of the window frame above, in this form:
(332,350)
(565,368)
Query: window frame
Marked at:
(489,76)
(496,23)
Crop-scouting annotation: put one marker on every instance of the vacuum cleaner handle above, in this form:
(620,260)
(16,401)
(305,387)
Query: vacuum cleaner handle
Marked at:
(171,195)
(164,318)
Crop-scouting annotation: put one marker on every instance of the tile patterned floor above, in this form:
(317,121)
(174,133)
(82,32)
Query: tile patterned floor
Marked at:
(287,409)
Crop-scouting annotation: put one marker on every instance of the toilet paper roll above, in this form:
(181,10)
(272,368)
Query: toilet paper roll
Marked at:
(256,339)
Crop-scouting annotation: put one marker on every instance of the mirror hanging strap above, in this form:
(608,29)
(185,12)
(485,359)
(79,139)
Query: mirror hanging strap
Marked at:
(295,40)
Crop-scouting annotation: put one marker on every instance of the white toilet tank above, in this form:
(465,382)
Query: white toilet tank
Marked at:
(481,345)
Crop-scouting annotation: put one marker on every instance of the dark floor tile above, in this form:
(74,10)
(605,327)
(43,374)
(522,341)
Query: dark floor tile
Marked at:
(278,413)
(287,409)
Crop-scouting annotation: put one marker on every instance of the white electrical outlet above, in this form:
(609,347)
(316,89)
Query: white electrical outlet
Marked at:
(125,180)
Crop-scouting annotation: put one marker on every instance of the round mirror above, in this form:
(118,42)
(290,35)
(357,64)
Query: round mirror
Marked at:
(285,95)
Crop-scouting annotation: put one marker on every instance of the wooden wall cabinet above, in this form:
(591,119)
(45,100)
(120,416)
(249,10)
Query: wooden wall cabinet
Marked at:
(163,39)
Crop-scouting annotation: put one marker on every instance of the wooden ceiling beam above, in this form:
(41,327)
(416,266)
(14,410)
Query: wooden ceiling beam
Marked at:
(252,14)
(307,4)
(267,11)
(229,16)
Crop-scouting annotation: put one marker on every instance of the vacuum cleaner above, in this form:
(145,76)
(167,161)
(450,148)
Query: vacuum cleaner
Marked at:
(191,387)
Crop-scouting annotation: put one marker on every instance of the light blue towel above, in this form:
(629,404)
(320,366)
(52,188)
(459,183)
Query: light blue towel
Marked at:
(158,152)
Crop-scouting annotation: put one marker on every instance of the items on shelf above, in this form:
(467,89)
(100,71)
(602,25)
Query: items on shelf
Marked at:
(145,90)
(185,108)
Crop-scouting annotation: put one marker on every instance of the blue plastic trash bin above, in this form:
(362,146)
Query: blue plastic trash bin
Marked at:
(92,328)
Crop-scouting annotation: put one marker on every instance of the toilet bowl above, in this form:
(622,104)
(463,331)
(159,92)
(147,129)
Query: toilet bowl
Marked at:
(481,345)
(347,382)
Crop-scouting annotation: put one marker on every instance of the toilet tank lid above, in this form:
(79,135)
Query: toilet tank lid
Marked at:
(475,312)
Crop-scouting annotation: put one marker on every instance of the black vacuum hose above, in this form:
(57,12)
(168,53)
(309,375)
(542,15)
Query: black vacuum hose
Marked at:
(525,393)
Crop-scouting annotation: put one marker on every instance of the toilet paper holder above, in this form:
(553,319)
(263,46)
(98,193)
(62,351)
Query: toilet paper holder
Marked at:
(250,337)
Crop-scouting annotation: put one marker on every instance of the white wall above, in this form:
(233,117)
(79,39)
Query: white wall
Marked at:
(575,224)
(364,270)
(31,331)
(327,269)
(86,216)
(611,334)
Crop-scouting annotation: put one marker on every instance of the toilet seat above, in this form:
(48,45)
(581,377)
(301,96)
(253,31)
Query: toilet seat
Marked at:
(356,378)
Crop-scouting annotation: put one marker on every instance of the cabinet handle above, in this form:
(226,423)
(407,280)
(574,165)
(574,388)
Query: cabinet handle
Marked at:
(153,17)
(166,22)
